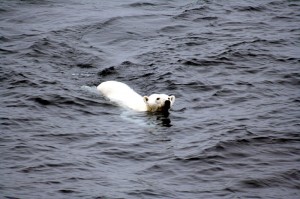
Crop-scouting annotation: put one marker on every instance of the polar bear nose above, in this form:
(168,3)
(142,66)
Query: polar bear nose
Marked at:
(167,104)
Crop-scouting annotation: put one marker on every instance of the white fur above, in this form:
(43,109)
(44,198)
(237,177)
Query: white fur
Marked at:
(123,95)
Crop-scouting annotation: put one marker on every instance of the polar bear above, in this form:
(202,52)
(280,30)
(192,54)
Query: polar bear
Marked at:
(125,96)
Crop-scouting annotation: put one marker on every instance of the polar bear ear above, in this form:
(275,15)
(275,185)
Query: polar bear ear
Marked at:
(146,98)
(172,98)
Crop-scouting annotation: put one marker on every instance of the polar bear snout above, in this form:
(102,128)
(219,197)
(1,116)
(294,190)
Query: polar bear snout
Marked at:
(167,104)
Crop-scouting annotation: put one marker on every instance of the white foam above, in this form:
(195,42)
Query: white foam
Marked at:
(91,89)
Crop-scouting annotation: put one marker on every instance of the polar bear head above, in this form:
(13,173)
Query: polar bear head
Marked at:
(159,102)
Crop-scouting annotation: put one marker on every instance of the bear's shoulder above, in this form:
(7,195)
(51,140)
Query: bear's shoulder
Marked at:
(121,94)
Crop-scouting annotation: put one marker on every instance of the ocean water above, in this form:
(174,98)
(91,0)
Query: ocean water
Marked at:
(233,132)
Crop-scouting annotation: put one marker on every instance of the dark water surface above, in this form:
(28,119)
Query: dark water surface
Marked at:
(234,67)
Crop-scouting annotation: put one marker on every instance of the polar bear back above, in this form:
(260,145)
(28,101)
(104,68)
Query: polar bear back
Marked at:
(123,95)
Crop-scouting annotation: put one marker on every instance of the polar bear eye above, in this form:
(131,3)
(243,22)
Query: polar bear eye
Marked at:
(158,98)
